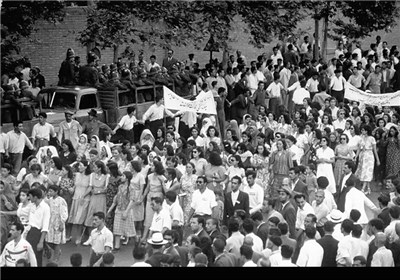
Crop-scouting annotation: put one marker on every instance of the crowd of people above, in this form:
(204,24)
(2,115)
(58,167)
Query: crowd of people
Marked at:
(281,176)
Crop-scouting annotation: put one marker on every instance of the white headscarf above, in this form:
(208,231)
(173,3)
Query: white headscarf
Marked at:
(206,124)
(149,142)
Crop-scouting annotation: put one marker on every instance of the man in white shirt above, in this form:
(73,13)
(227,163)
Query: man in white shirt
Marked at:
(42,131)
(383,257)
(246,255)
(299,95)
(304,208)
(248,227)
(357,51)
(252,80)
(274,243)
(69,129)
(276,55)
(285,74)
(320,209)
(274,92)
(312,253)
(390,230)
(255,192)
(125,126)
(337,85)
(153,63)
(312,84)
(17,248)
(39,219)
(176,213)
(101,240)
(286,253)
(161,218)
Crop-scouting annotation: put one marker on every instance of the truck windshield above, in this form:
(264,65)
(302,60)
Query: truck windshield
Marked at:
(63,100)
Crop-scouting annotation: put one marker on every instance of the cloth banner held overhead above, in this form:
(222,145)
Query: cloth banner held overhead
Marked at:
(374,99)
(204,103)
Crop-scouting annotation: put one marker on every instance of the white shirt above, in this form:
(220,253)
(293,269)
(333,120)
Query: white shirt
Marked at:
(299,95)
(257,242)
(100,239)
(329,200)
(356,199)
(256,197)
(234,196)
(141,264)
(321,211)
(339,124)
(274,89)
(287,263)
(336,83)
(302,213)
(312,85)
(390,231)
(3,142)
(16,142)
(43,131)
(311,254)
(275,58)
(39,216)
(127,122)
(156,112)
(276,258)
(202,203)
(345,177)
(249,263)
(382,258)
(297,153)
(161,220)
(12,252)
(252,80)
(176,212)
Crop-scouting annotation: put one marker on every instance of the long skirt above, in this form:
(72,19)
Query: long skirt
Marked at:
(365,170)
(124,227)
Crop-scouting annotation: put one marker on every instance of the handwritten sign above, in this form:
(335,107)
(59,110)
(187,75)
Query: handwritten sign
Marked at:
(373,99)
(204,103)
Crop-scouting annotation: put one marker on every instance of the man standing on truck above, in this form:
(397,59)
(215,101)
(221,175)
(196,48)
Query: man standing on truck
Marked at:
(69,129)
(155,115)
(92,126)
(15,144)
(42,132)
(124,129)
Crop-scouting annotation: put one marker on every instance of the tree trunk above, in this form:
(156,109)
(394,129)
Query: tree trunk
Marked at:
(116,49)
(225,58)
(316,43)
(325,40)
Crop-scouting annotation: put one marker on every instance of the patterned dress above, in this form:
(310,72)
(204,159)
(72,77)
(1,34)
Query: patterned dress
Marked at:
(58,216)
(80,204)
(124,227)
(365,169)
(393,157)
(65,184)
(344,151)
(111,192)
(262,164)
(137,183)
(188,186)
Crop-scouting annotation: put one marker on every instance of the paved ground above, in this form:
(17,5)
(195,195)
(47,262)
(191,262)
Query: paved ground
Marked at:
(124,256)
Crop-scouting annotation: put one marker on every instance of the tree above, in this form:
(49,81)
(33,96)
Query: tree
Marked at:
(18,20)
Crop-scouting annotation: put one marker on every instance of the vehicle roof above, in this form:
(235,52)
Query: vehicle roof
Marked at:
(70,89)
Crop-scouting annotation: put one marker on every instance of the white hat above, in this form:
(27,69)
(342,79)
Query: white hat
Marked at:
(157,239)
(336,216)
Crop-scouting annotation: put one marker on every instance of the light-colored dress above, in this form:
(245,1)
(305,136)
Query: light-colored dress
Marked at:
(262,163)
(188,186)
(326,169)
(97,201)
(58,217)
(366,159)
(80,204)
(199,165)
(155,186)
(344,151)
(124,227)
(137,184)
(54,177)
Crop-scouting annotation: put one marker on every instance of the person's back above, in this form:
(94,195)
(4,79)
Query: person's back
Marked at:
(330,246)
(76,260)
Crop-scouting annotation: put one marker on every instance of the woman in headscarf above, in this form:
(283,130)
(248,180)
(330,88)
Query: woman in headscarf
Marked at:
(233,125)
(94,143)
(206,123)
(147,138)
(83,145)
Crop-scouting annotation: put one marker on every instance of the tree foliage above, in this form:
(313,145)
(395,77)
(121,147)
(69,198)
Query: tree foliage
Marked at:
(18,20)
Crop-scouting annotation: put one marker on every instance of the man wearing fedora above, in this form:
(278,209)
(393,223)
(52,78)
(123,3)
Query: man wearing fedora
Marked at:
(157,243)
(93,125)
(69,129)
(288,211)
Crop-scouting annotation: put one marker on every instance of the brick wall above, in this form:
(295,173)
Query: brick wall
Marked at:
(47,46)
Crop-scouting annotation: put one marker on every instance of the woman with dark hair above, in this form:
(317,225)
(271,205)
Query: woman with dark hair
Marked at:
(181,146)
(380,170)
(325,159)
(260,161)
(298,130)
(170,139)
(172,183)
(58,217)
(125,163)
(36,175)
(111,191)
(314,145)
(212,135)
(198,160)
(231,138)
(369,120)
(55,171)
(168,151)
(7,204)
(326,121)
(124,224)
(138,182)
(155,187)
(98,184)
(80,201)
(307,105)
(67,191)
(343,153)
(215,172)
(194,132)
(272,122)
(245,155)
(333,139)
(135,148)
(355,138)
(144,164)
(366,154)
(279,164)
(187,187)
(212,148)
(355,116)
(392,143)
(68,154)
(145,150)
(284,124)
(380,124)
(235,169)
(182,161)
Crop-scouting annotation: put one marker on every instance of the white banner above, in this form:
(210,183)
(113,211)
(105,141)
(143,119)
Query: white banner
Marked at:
(374,99)
(203,103)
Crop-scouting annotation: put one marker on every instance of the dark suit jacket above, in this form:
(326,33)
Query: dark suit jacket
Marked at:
(289,214)
(226,260)
(241,203)
(330,246)
(262,232)
(168,64)
(385,216)
(341,194)
(203,233)
(183,252)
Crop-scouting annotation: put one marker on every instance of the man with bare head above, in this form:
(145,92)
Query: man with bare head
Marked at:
(383,257)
